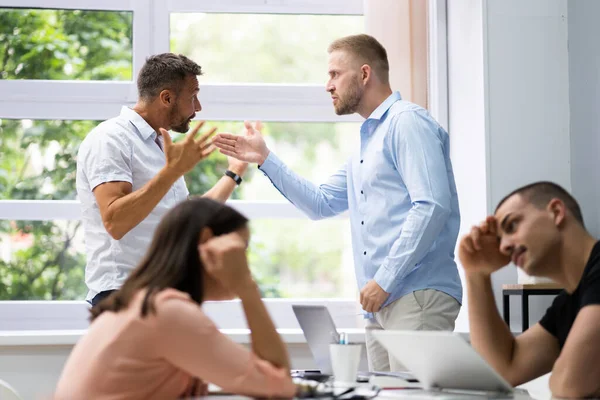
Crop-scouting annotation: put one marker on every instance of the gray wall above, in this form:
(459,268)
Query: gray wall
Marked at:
(509,117)
(584,97)
(528,104)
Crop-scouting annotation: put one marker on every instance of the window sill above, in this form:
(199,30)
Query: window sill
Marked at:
(70,337)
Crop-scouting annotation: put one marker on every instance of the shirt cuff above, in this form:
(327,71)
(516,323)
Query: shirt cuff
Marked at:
(385,278)
(272,163)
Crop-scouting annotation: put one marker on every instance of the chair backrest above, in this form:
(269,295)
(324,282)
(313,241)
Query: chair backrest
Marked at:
(7,392)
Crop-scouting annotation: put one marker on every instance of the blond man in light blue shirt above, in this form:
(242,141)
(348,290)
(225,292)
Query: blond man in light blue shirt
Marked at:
(398,188)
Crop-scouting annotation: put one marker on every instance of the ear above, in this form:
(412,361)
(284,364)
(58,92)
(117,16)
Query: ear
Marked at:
(558,210)
(166,97)
(205,235)
(365,73)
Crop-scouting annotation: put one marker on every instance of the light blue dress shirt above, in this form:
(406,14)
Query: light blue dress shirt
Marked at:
(400,192)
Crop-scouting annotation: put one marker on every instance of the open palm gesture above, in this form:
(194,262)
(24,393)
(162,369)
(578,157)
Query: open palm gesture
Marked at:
(250,147)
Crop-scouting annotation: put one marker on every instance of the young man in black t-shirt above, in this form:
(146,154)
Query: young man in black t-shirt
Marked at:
(539,228)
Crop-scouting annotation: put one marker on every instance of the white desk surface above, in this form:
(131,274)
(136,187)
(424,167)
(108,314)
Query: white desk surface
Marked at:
(70,337)
(407,394)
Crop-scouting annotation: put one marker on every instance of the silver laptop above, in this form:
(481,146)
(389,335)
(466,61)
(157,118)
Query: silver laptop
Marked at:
(442,360)
(319,331)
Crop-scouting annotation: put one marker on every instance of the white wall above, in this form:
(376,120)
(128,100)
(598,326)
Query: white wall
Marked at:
(467,117)
(509,106)
(584,97)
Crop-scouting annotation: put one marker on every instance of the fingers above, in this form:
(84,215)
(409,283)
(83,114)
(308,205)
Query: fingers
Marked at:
(207,257)
(166,137)
(248,126)
(476,237)
(467,244)
(190,136)
(208,151)
(493,225)
(205,137)
(228,153)
(258,126)
(225,145)
(225,136)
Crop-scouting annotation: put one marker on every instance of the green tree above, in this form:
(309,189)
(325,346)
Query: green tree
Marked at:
(38,158)
(56,44)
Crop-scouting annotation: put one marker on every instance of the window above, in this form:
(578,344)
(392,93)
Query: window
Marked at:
(66,65)
(244,52)
(65,44)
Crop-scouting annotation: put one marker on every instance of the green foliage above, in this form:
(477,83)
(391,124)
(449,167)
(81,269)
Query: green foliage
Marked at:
(65,44)
(38,158)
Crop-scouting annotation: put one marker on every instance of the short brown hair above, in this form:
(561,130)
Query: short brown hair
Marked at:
(165,71)
(367,50)
(540,193)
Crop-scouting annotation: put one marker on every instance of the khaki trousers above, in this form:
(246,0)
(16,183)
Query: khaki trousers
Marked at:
(422,310)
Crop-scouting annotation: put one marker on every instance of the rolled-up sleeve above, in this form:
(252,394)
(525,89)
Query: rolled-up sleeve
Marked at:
(106,158)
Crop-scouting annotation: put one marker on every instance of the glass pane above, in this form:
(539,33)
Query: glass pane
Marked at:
(65,44)
(302,258)
(39,158)
(268,48)
(45,260)
(42,260)
(313,150)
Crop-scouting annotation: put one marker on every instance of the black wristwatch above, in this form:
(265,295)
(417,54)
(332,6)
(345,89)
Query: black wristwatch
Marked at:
(234,176)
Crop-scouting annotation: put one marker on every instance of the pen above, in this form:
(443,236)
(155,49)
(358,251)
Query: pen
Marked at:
(343,338)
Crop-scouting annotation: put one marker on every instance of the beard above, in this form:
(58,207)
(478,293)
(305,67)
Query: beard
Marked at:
(178,123)
(350,102)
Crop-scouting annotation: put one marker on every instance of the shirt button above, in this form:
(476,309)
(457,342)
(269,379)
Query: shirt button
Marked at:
(365,253)
(361,161)
(362,222)
(361,192)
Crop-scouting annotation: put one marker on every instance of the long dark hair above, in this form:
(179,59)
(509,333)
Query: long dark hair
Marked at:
(173,261)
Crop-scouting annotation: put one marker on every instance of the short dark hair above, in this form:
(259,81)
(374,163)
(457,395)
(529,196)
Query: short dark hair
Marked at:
(367,50)
(540,193)
(165,71)
(172,261)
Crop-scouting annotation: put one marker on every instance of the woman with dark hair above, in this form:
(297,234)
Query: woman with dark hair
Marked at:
(152,340)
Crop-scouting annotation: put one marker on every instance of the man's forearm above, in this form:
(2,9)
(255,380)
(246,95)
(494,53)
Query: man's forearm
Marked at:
(489,334)
(126,212)
(221,190)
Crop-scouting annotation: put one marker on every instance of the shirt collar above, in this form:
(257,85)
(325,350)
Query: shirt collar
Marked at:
(140,123)
(380,111)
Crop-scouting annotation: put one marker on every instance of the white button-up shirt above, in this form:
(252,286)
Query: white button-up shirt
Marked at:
(119,149)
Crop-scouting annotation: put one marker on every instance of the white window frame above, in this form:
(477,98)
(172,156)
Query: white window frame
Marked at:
(92,100)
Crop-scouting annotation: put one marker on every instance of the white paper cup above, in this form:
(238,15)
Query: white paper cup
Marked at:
(345,359)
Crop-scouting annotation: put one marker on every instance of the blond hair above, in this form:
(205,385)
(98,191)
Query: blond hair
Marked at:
(366,50)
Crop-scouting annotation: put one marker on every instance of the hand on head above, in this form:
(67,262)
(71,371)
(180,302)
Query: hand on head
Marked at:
(184,155)
(224,258)
(249,147)
(479,251)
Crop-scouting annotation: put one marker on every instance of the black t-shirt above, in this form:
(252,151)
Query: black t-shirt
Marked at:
(561,315)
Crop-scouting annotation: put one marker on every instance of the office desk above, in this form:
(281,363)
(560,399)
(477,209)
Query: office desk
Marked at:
(406,394)
(525,290)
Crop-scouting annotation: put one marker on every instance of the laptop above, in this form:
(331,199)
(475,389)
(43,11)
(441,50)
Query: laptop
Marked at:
(319,330)
(443,361)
